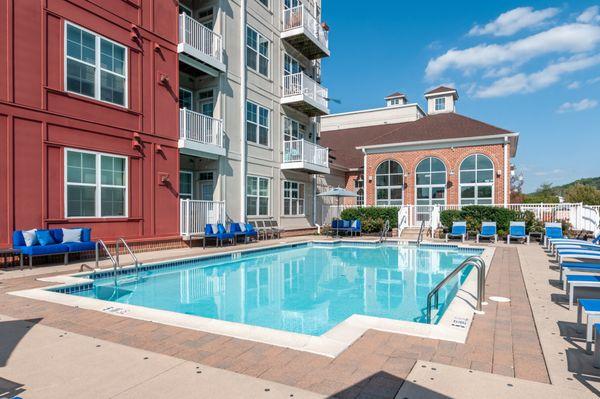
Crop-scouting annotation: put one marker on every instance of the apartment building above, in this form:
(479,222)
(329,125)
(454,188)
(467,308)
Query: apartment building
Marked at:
(148,119)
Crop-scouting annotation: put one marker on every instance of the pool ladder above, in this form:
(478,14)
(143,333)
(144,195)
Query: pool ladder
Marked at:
(384,231)
(115,259)
(420,238)
(479,264)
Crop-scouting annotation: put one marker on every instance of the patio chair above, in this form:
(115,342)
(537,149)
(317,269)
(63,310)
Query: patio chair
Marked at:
(459,229)
(590,309)
(568,267)
(561,254)
(355,228)
(218,232)
(260,226)
(488,230)
(517,231)
(251,232)
(552,231)
(237,231)
(580,281)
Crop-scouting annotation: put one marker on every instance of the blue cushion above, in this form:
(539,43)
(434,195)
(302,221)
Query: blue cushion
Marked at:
(221,229)
(554,232)
(334,224)
(45,237)
(44,249)
(18,239)
(57,235)
(590,305)
(488,230)
(583,277)
(86,234)
(517,231)
(597,331)
(81,246)
(346,224)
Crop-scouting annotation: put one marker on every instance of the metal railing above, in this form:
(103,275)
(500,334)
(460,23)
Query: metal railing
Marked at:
(384,231)
(297,17)
(402,220)
(305,151)
(300,84)
(136,262)
(198,36)
(420,237)
(475,261)
(201,128)
(99,244)
(195,215)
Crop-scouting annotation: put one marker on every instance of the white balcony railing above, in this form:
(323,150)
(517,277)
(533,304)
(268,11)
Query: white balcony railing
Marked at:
(298,17)
(301,84)
(194,215)
(200,38)
(200,128)
(305,151)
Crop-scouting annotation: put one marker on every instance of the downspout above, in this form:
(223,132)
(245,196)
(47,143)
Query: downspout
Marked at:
(314,218)
(506,188)
(365,177)
(243,88)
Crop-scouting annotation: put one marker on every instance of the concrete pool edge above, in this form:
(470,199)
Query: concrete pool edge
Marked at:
(330,344)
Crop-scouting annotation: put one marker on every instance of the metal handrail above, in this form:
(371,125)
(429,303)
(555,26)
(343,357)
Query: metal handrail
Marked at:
(384,230)
(135,259)
(88,267)
(112,259)
(476,261)
(420,238)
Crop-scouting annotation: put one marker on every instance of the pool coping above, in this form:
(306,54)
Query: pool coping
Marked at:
(453,326)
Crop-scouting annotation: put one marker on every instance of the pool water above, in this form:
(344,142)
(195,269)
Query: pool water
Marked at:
(307,289)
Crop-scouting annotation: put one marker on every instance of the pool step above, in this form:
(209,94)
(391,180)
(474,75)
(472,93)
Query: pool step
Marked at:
(412,233)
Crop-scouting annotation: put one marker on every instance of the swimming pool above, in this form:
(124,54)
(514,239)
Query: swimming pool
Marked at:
(306,288)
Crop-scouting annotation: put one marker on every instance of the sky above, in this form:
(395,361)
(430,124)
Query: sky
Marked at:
(532,68)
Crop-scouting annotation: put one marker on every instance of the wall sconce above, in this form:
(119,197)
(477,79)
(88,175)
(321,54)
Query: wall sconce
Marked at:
(370,179)
(164,79)
(159,149)
(498,173)
(137,137)
(163,179)
(157,47)
(136,145)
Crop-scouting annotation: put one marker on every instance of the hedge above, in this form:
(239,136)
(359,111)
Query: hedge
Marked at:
(372,218)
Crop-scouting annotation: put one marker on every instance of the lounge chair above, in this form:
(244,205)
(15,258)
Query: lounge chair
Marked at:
(577,254)
(552,231)
(517,231)
(251,232)
(218,232)
(488,230)
(459,229)
(590,309)
(355,228)
(274,226)
(237,231)
(260,226)
(339,225)
(580,281)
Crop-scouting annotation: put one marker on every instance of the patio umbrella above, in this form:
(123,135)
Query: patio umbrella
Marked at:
(339,193)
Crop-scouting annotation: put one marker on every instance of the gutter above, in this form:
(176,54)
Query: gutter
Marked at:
(454,140)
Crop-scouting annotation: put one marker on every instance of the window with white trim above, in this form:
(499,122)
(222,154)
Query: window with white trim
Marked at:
(257,123)
(186,185)
(96,184)
(389,183)
(257,52)
(292,129)
(360,192)
(440,104)
(293,198)
(430,186)
(257,195)
(95,66)
(477,180)
(186,99)
(264,3)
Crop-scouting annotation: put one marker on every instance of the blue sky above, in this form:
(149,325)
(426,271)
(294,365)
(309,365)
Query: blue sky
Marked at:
(531,68)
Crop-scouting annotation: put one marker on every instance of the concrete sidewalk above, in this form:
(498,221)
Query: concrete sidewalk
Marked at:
(37,361)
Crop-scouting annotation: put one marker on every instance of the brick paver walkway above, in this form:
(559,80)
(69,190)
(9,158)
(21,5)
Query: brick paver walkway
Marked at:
(503,341)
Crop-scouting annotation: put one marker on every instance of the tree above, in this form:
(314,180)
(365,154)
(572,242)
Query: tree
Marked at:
(545,193)
(582,193)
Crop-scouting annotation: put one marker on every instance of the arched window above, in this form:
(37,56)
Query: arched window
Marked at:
(430,186)
(477,180)
(389,183)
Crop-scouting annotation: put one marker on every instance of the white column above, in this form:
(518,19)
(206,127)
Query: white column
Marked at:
(365,177)
(243,143)
(506,172)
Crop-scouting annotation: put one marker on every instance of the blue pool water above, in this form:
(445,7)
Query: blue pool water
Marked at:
(306,288)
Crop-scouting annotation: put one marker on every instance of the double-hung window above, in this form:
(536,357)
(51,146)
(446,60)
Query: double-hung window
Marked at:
(257,196)
(257,123)
(186,183)
(95,67)
(293,198)
(257,52)
(440,104)
(96,184)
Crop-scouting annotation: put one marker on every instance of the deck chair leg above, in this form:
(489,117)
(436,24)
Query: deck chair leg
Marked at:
(21,260)
(66,258)
(30,262)
(596,358)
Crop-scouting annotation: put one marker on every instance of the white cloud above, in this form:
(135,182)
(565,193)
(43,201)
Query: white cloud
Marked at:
(514,21)
(574,85)
(528,83)
(594,80)
(571,38)
(590,15)
(582,105)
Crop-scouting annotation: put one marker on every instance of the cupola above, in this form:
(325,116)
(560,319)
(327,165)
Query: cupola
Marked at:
(441,100)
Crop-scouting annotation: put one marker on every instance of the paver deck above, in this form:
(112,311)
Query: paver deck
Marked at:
(503,341)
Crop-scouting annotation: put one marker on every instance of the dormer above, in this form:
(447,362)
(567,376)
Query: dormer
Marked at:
(441,100)
(395,99)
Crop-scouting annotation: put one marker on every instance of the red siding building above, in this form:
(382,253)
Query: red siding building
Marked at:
(89,117)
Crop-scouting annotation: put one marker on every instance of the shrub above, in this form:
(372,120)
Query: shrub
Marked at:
(474,216)
(372,218)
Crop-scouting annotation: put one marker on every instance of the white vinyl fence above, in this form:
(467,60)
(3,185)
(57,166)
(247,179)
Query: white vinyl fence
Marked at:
(194,215)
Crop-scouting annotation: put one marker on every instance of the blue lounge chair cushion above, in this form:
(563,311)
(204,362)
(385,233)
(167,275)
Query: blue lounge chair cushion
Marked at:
(517,231)
(86,234)
(459,228)
(597,330)
(590,305)
(345,224)
(583,277)
(18,239)
(488,230)
(554,232)
(45,237)
(222,232)
(80,246)
(334,224)
(44,249)
(355,226)
(581,265)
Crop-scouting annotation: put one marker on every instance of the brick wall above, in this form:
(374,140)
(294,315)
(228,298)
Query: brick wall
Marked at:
(452,158)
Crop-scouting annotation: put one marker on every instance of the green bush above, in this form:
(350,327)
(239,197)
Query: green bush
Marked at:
(372,218)
(474,216)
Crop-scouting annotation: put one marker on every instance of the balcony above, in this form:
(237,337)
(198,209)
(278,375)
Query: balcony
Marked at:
(305,33)
(305,156)
(194,215)
(305,95)
(200,135)
(199,46)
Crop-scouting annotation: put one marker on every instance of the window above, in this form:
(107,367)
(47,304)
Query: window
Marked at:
(287,4)
(430,186)
(96,184)
(205,17)
(293,198)
(257,124)
(186,185)
(185,99)
(257,52)
(440,104)
(291,66)
(476,180)
(95,67)
(264,3)
(360,192)
(389,183)
(292,129)
(257,196)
